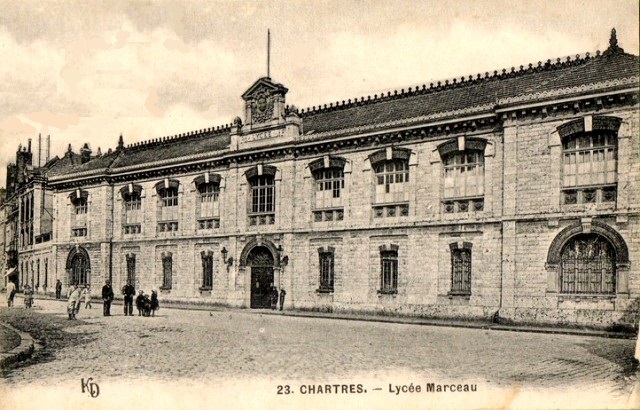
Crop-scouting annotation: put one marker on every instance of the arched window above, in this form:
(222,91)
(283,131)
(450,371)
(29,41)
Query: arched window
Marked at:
(588,265)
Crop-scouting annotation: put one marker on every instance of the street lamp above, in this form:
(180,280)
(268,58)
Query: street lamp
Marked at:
(225,260)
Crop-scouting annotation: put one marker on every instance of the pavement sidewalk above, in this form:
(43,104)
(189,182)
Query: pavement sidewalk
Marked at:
(476,324)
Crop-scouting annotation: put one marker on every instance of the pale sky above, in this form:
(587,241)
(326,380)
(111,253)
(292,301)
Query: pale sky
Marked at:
(86,71)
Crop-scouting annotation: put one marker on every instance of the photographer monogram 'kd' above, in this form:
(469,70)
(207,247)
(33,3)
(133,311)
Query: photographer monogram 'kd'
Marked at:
(90,387)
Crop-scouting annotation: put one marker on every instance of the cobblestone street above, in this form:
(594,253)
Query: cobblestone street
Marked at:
(218,346)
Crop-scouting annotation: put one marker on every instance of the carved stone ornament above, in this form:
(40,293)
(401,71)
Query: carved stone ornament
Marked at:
(261,108)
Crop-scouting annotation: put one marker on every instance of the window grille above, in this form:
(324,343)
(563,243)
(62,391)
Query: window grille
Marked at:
(588,266)
(131,269)
(167,272)
(207,270)
(389,274)
(461,271)
(326,271)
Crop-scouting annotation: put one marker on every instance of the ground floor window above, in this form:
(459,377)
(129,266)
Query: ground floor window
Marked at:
(167,271)
(461,269)
(327,272)
(389,270)
(131,269)
(207,270)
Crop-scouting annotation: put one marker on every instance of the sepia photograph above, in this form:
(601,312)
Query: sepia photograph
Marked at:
(331,204)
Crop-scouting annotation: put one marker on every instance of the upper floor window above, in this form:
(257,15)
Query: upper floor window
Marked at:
(168,205)
(208,201)
(262,202)
(328,175)
(80,206)
(132,209)
(79,200)
(463,174)
(391,167)
(460,269)
(589,163)
(388,269)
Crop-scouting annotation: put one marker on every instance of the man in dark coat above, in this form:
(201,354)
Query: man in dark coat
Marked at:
(58,289)
(283,293)
(129,292)
(107,297)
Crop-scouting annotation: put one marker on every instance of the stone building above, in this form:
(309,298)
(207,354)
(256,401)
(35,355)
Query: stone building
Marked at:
(512,194)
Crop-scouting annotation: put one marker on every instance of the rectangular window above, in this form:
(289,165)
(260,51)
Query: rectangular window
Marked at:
(461,271)
(391,181)
(167,272)
(131,269)
(329,185)
(209,207)
(169,204)
(326,271)
(389,274)
(262,194)
(464,174)
(80,206)
(207,271)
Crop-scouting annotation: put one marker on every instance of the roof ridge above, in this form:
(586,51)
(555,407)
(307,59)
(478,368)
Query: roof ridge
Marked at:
(217,130)
(561,62)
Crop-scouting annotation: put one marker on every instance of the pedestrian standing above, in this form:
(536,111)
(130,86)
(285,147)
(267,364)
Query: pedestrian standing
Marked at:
(129,292)
(73,301)
(273,297)
(107,298)
(11,292)
(28,297)
(140,302)
(86,294)
(58,289)
(155,303)
(283,293)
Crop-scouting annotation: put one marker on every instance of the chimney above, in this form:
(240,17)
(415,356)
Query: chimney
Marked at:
(85,153)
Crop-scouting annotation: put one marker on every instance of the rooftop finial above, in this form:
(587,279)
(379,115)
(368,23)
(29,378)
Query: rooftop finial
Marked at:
(613,40)
(613,44)
(120,142)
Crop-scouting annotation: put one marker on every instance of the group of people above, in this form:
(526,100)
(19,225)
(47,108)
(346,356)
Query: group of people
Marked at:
(146,305)
(11,294)
(273,297)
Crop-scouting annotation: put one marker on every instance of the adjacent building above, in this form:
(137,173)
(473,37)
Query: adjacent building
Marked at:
(512,195)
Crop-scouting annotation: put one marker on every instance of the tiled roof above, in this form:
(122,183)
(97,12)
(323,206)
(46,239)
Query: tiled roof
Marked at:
(167,149)
(458,95)
(472,95)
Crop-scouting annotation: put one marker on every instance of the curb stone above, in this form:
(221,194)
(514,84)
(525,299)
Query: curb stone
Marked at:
(22,352)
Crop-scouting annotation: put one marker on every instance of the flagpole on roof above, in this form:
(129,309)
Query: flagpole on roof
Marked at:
(268,53)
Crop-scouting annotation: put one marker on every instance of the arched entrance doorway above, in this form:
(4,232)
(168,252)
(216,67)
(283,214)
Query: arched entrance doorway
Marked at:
(261,261)
(78,267)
